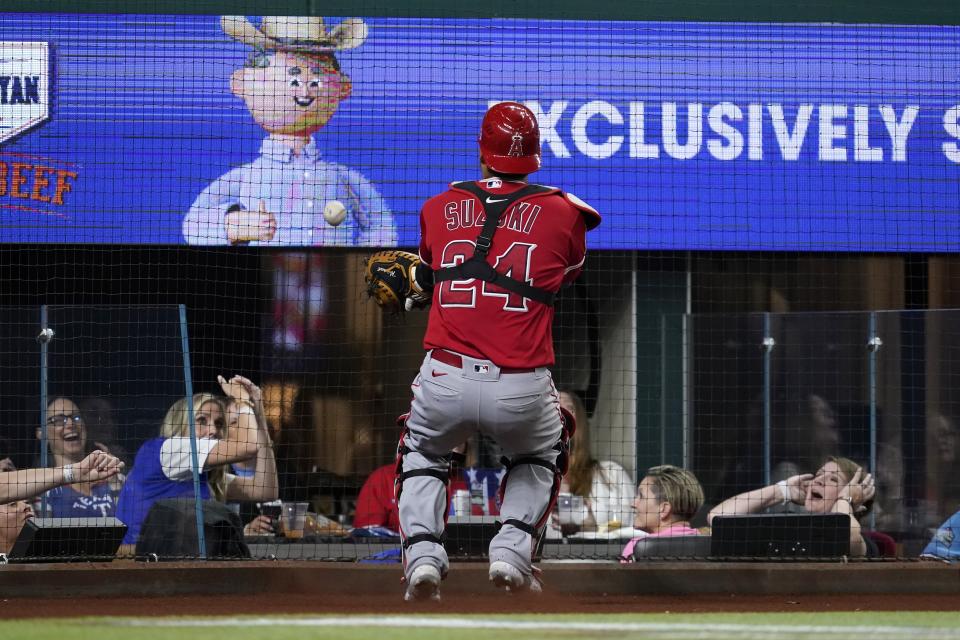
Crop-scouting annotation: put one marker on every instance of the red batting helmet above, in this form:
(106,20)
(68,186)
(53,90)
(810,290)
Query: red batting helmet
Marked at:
(510,139)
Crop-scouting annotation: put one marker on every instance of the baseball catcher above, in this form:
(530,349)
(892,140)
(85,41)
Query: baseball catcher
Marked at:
(398,281)
(498,250)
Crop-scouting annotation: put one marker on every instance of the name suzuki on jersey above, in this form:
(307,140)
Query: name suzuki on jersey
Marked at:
(463,214)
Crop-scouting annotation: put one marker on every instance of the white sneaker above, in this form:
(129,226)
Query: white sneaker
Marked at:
(424,584)
(506,576)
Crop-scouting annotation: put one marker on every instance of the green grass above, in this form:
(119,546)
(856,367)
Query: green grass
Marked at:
(733,626)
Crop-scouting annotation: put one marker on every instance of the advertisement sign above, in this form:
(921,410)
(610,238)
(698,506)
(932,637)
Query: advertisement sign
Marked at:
(297,132)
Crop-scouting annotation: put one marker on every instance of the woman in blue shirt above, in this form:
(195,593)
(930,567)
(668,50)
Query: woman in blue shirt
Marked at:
(67,443)
(162,468)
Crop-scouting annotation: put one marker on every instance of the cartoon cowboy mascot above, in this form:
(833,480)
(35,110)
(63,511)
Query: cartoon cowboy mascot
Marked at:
(292,85)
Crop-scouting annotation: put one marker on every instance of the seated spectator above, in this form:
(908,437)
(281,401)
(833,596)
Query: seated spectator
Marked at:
(13,516)
(377,504)
(839,486)
(17,487)
(606,488)
(162,468)
(68,443)
(945,544)
(944,469)
(667,499)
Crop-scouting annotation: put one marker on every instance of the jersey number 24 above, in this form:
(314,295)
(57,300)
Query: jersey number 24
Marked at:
(514,262)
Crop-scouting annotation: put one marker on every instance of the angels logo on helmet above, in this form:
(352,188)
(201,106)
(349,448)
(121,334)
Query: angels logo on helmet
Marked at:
(510,139)
(516,146)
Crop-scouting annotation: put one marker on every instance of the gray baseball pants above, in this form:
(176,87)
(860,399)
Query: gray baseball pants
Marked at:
(520,411)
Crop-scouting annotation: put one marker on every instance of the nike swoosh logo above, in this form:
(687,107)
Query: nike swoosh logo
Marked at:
(437,375)
(492,200)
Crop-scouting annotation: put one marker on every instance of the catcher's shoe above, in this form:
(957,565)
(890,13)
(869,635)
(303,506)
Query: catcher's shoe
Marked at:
(424,584)
(506,576)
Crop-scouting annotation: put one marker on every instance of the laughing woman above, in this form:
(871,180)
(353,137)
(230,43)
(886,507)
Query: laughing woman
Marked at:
(68,444)
(839,486)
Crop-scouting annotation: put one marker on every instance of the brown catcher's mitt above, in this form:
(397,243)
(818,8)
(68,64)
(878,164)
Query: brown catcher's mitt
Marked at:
(391,279)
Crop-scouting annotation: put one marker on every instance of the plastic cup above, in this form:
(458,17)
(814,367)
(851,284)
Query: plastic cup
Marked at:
(293,518)
(461,503)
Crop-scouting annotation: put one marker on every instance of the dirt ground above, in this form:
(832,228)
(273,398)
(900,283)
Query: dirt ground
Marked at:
(490,602)
(127,588)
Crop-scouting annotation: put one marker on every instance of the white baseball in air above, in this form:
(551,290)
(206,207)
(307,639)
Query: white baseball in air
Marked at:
(334,212)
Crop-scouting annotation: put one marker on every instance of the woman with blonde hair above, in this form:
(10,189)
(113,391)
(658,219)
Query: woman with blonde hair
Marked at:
(605,487)
(668,498)
(163,468)
(840,485)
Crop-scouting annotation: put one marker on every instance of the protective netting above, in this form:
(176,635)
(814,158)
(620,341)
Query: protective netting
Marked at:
(187,196)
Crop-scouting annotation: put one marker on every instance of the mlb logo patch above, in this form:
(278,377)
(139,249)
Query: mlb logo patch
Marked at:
(481,368)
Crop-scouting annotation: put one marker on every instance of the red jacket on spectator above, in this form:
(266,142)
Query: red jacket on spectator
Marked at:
(376,504)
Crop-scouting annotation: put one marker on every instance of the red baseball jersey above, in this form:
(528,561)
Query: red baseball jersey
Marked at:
(541,239)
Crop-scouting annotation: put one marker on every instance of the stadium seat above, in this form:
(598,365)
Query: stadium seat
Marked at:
(886,545)
(672,547)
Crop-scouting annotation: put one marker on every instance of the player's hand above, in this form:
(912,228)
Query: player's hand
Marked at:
(412,304)
(245,225)
(417,297)
(97,466)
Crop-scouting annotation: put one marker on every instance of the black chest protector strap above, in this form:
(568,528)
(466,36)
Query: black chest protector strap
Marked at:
(477,266)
